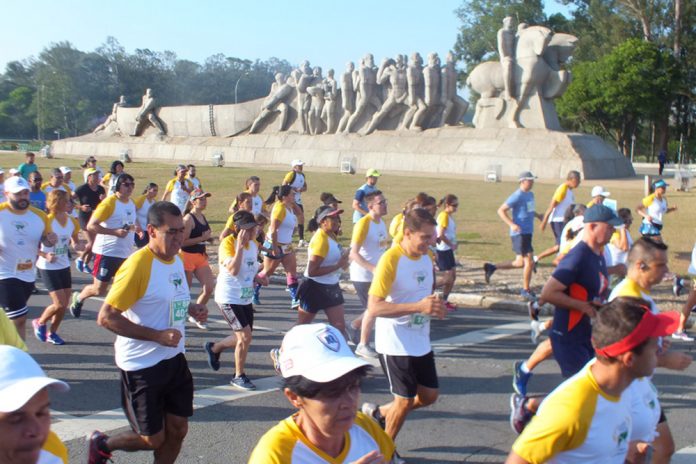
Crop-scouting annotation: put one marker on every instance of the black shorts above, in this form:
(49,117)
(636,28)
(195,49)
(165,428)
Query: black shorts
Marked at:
(445,260)
(570,354)
(314,296)
(557,228)
(105,267)
(59,279)
(14,294)
(406,373)
(148,395)
(141,242)
(522,244)
(238,316)
(362,289)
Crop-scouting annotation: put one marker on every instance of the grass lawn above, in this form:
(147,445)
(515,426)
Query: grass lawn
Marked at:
(483,237)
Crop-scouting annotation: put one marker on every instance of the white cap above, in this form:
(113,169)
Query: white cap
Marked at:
(297,162)
(317,352)
(65,169)
(16,184)
(598,190)
(14,172)
(21,378)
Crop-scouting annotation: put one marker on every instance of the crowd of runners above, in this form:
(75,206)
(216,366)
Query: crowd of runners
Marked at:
(607,334)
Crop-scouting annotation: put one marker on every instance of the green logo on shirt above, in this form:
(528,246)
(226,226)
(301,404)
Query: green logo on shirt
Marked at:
(176,280)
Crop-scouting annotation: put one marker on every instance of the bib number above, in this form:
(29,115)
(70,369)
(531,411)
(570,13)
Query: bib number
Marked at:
(24,265)
(178,309)
(418,320)
(247,293)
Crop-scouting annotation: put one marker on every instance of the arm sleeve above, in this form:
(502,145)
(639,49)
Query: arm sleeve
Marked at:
(170,185)
(319,245)
(560,193)
(227,249)
(9,334)
(278,212)
(442,220)
(139,201)
(647,201)
(288,178)
(76,228)
(567,269)
(513,199)
(359,194)
(105,209)
(131,281)
(360,231)
(385,273)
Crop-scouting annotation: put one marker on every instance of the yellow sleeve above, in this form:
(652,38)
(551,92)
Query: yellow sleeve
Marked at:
(190,184)
(227,249)
(615,238)
(288,177)
(275,446)
(76,228)
(44,185)
(230,222)
(139,201)
(56,447)
(68,189)
(278,212)
(360,230)
(560,193)
(9,334)
(319,244)
(131,280)
(44,218)
(395,224)
(443,220)
(170,185)
(647,201)
(106,178)
(384,441)
(385,273)
(105,209)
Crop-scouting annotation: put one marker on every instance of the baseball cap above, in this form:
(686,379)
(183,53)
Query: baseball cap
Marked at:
(650,325)
(326,211)
(598,190)
(65,169)
(601,213)
(244,220)
(198,193)
(317,352)
(21,378)
(372,172)
(526,175)
(16,184)
(660,183)
(327,197)
(14,172)
(90,171)
(297,162)
(180,167)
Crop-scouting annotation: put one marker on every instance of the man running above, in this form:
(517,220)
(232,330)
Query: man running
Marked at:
(37,198)
(147,308)
(89,195)
(359,201)
(179,188)
(562,198)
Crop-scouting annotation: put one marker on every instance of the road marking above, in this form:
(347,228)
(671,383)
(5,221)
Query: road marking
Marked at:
(685,455)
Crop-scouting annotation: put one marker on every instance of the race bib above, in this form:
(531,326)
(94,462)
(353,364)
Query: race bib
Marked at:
(418,320)
(530,206)
(247,293)
(60,250)
(24,265)
(178,309)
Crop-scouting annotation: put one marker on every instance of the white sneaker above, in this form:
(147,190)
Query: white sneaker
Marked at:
(365,351)
(682,336)
(200,325)
(537,329)
(302,244)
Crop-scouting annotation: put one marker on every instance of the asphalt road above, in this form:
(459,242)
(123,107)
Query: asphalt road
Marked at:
(469,423)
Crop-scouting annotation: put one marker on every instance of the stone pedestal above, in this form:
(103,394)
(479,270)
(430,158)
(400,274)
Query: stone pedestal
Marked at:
(536,113)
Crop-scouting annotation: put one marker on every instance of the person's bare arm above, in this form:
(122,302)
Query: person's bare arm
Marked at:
(357,258)
(547,214)
(113,320)
(431,305)
(503,214)
(513,458)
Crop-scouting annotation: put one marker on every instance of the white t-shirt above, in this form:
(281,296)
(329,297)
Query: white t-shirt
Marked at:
(286,222)
(446,223)
(151,293)
(323,245)
(239,289)
(297,183)
(179,192)
(655,208)
(20,235)
(400,278)
(142,205)
(113,213)
(60,249)
(373,240)
(256,205)
(565,197)
(618,256)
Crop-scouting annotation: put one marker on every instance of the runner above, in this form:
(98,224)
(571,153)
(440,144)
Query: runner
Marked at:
(368,244)
(598,195)
(178,189)
(113,222)
(110,179)
(193,251)
(67,177)
(562,198)
(22,229)
(653,209)
(326,260)
(322,381)
(143,204)
(56,182)
(328,199)
(89,195)
(146,308)
(522,206)
(447,245)
(238,261)
(621,242)
(54,263)
(298,182)
(252,187)
(37,198)
(191,176)
(279,243)
(690,303)
(588,417)
(90,163)
(370,185)
(28,166)
(242,202)
(402,300)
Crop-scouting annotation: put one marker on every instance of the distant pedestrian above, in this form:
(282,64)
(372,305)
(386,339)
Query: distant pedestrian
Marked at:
(298,183)
(28,166)
(359,204)
(661,159)
(653,209)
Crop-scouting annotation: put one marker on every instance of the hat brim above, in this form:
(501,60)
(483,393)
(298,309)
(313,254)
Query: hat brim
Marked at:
(334,369)
(19,393)
(247,225)
(668,323)
(205,195)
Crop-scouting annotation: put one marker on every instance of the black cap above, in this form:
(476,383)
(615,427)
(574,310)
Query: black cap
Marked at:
(327,197)
(243,220)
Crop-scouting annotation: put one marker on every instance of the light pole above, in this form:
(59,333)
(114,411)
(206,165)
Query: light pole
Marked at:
(237,85)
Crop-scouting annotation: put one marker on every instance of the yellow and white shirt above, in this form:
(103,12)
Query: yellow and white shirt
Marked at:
(236,289)
(446,223)
(9,334)
(326,247)
(286,444)
(655,208)
(286,222)
(396,228)
(53,451)
(142,206)
(64,232)
(179,192)
(47,187)
(373,241)
(151,293)
(578,423)
(618,256)
(297,183)
(195,181)
(20,235)
(400,278)
(565,197)
(113,213)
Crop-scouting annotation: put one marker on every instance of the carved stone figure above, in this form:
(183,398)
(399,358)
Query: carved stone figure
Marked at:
(347,95)
(417,108)
(147,113)
(316,93)
(112,118)
(393,74)
(506,52)
(365,86)
(276,102)
(431,80)
(455,106)
(328,114)
(303,78)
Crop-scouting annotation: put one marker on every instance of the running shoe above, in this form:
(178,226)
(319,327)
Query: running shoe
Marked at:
(75,305)
(294,303)
(677,286)
(519,378)
(450,307)
(275,357)
(200,325)
(365,351)
(528,295)
(213,358)
(255,300)
(488,270)
(519,414)
(533,310)
(302,244)
(39,330)
(243,383)
(537,330)
(88,270)
(682,336)
(97,452)
(54,339)
(80,265)
(353,334)
(371,410)
(535,261)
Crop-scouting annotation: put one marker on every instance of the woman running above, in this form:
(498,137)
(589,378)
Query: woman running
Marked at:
(653,208)
(447,245)
(242,202)
(143,203)
(110,178)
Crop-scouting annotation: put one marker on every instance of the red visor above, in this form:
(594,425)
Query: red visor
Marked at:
(651,325)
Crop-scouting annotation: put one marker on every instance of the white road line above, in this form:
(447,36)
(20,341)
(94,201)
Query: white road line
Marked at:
(685,455)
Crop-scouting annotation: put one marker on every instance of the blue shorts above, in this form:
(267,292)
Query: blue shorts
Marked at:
(445,260)
(522,244)
(557,228)
(105,267)
(570,354)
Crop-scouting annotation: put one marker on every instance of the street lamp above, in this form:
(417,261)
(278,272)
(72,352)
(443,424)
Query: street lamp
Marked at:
(237,85)
(57,132)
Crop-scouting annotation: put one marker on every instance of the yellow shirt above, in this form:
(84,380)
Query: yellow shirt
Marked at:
(8,333)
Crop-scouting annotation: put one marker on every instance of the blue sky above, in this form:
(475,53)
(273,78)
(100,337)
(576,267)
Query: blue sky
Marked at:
(327,34)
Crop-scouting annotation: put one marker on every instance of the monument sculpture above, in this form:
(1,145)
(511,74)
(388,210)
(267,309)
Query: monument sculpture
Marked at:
(113,117)
(348,80)
(275,103)
(366,89)
(431,80)
(147,113)
(454,106)
(316,93)
(393,73)
(417,107)
(303,77)
(328,114)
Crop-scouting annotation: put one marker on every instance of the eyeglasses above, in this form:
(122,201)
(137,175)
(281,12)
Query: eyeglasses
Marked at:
(37,179)
(382,203)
